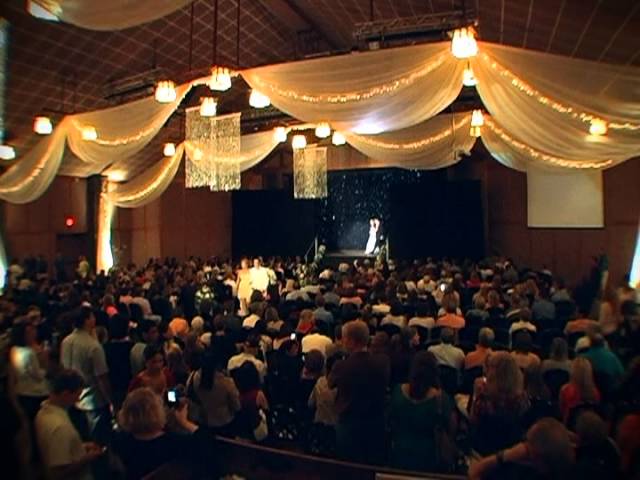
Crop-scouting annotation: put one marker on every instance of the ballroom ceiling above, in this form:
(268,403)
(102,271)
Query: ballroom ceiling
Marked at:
(56,68)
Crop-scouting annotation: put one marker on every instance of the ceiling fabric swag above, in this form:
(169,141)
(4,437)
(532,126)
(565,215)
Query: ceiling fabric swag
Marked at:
(369,92)
(110,14)
(26,180)
(548,102)
(436,143)
(148,186)
(122,131)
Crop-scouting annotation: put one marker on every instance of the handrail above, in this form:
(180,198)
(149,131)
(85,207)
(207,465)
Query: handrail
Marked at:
(314,246)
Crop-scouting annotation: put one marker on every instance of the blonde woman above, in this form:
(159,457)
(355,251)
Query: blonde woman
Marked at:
(244,285)
(499,402)
(144,445)
(580,389)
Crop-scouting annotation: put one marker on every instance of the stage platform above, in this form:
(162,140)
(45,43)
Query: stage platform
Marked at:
(335,258)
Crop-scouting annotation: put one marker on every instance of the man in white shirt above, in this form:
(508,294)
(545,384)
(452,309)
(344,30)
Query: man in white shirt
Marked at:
(259,276)
(316,341)
(445,352)
(63,452)
(249,354)
(81,352)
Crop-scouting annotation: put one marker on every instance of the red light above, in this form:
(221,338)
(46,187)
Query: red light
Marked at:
(69,221)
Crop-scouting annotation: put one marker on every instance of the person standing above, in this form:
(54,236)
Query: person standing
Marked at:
(259,276)
(82,352)
(244,285)
(361,381)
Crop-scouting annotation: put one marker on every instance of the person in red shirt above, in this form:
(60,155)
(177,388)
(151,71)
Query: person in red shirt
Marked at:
(580,389)
(450,319)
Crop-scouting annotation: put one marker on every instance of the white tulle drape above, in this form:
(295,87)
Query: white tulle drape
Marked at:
(547,102)
(30,177)
(436,143)
(147,186)
(110,14)
(368,92)
(122,131)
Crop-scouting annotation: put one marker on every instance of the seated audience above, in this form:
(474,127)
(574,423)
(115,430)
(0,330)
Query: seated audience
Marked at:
(423,318)
(445,352)
(581,388)
(558,356)
(477,357)
(451,318)
(395,316)
(522,353)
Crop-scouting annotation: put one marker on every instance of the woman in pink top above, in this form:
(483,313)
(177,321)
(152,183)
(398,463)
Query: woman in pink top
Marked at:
(580,389)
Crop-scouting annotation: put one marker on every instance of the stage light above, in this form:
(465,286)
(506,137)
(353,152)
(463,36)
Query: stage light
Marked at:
(208,107)
(598,127)
(463,43)
(169,149)
(69,221)
(468,78)
(298,142)
(7,152)
(258,99)
(40,12)
(220,79)
(89,133)
(166,91)
(323,130)
(280,134)
(42,125)
(338,139)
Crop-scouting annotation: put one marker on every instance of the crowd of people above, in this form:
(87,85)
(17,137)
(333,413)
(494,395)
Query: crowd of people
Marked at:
(478,368)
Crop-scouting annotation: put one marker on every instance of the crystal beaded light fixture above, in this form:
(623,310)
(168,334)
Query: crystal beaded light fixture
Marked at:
(220,79)
(468,78)
(89,133)
(338,139)
(298,142)
(7,152)
(310,172)
(598,127)
(42,125)
(208,107)
(280,134)
(166,91)
(477,121)
(463,43)
(213,153)
(323,130)
(258,99)
(169,149)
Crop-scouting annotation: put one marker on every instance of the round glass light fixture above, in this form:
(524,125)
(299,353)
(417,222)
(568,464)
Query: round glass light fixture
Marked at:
(208,107)
(166,91)
(89,133)
(463,43)
(468,78)
(7,152)
(169,149)
(280,134)
(298,142)
(258,99)
(323,130)
(477,121)
(598,127)
(42,125)
(338,139)
(220,79)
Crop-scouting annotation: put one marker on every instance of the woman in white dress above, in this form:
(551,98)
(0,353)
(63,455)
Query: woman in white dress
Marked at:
(374,225)
(244,286)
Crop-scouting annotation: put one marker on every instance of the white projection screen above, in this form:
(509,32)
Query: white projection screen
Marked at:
(565,200)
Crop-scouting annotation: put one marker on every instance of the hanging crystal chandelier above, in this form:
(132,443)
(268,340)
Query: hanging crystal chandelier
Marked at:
(7,152)
(463,43)
(338,139)
(468,78)
(220,79)
(42,125)
(169,149)
(310,172)
(323,130)
(280,134)
(258,99)
(477,121)
(166,91)
(208,107)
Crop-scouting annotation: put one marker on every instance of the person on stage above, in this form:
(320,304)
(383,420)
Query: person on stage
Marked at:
(259,276)
(372,242)
(244,285)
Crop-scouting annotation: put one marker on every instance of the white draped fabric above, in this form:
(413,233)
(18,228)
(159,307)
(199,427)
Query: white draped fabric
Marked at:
(369,92)
(122,131)
(110,14)
(436,143)
(547,102)
(147,186)
(30,177)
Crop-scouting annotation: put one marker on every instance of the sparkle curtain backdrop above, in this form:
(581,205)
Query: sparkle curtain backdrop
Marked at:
(310,172)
